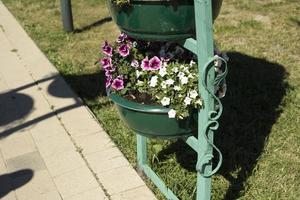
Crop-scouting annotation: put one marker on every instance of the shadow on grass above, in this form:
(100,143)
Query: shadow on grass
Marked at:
(88,86)
(93,25)
(14,180)
(255,90)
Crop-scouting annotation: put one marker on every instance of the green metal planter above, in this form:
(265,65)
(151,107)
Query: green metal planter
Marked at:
(152,121)
(160,20)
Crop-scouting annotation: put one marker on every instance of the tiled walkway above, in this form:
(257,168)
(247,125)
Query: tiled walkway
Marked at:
(51,147)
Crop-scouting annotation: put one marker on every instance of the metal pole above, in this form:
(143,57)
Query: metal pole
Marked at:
(204,37)
(67,17)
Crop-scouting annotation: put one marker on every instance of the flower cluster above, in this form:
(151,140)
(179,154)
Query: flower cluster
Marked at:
(165,72)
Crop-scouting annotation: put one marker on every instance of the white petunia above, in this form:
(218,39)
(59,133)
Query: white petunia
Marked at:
(192,63)
(184,80)
(163,85)
(138,73)
(193,94)
(187,101)
(181,74)
(172,113)
(165,101)
(170,82)
(175,69)
(177,88)
(153,81)
(162,71)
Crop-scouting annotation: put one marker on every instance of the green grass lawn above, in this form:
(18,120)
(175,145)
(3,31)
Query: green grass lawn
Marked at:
(260,127)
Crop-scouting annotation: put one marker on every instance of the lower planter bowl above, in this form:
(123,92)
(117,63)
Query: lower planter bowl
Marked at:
(152,121)
(159,20)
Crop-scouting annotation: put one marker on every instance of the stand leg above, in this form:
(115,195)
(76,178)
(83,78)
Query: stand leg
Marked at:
(67,17)
(204,37)
(141,151)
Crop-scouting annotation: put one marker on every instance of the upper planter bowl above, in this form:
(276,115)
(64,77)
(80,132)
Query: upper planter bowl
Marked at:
(158,20)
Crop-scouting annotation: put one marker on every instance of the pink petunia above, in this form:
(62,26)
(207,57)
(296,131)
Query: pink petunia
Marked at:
(124,50)
(107,49)
(118,84)
(155,63)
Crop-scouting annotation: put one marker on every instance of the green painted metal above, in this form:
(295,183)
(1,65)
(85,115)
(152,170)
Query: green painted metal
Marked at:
(141,142)
(152,121)
(160,20)
(67,17)
(142,166)
(205,50)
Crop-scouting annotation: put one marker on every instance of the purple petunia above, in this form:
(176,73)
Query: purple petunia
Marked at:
(106,62)
(122,38)
(118,83)
(107,49)
(124,50)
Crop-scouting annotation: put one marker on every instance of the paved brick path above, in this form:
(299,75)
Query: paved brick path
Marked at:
(51,147)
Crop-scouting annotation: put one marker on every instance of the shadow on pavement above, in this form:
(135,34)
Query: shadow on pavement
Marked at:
(14,180)
(14,106)
(87,86)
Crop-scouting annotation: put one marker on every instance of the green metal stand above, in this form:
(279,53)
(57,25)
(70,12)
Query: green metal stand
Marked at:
(207,116)
(67,17)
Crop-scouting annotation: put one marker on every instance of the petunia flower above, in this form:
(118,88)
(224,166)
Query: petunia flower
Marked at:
(193,94)
(153,81)
(155,63)
(187,101)
(177,88)
(110,69)
(163,85)
(162,71)
(165,101)
(107,49)
(145,64)
(124,50)
(134,63)
(184,80)
(138,73)
(175,69)
(170,82)
(122,38)
(118,84)
(172,113)
(106,62)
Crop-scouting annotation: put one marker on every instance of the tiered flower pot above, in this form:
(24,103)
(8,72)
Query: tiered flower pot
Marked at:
(161,20)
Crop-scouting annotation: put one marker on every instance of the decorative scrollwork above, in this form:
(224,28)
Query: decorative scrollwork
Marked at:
(213,115)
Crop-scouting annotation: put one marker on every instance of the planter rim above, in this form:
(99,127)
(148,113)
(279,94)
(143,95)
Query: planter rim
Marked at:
(136,106)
